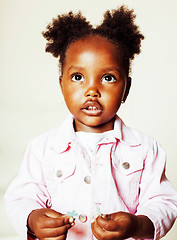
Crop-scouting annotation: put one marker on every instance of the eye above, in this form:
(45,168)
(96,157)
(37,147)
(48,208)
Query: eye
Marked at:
(77,77)
(108,78)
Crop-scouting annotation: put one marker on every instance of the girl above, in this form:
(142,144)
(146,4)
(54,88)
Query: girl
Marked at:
(93,178)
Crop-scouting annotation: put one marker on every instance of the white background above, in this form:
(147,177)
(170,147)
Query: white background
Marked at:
(30,98)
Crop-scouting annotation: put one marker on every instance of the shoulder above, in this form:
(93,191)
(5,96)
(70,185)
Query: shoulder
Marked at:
(131,135)
(134,137)
(46,137)
(154,154)
(144,149)
(53,138)
(143,139)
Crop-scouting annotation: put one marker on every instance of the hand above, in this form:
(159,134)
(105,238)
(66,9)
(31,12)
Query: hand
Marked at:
(49,224)
(120,225)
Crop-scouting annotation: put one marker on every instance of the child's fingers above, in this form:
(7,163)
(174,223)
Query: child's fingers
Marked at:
(49,222)
(52,213)
(100,233)
(62,237)
(107,224)
(56,232)
(96,230)
(69,220)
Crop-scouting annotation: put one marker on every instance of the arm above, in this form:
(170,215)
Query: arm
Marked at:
(157,199)
(28,190)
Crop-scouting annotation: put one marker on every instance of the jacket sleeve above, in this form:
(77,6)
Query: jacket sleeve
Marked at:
(28,190)
(158,199)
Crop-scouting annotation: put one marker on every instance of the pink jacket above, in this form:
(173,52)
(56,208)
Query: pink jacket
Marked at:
(125,173)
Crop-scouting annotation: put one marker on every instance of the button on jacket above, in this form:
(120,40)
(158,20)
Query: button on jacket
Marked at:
(126,172)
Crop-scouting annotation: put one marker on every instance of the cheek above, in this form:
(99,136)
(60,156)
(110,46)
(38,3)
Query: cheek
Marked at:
(114,97)
(72,95)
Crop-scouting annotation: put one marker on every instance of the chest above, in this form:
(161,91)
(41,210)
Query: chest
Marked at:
(110,175)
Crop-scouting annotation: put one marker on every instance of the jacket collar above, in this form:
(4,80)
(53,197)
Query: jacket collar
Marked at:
(125,134)
(65,136)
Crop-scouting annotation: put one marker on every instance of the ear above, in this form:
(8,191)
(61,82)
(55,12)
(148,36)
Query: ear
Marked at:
(129,81)
(61,83)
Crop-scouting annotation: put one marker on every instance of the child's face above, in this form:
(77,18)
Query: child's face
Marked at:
(93,83)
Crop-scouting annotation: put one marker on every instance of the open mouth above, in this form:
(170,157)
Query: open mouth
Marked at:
(92,108)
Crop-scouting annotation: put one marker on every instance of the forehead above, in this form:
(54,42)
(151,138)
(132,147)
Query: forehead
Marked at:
(91,48)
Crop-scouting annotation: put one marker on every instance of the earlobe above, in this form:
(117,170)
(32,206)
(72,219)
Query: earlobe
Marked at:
(129,80)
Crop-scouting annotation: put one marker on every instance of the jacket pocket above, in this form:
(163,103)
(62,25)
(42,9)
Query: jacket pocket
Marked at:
(58,168)
(128,165)
(128,160)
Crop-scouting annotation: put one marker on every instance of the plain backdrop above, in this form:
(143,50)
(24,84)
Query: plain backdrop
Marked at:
(30,98)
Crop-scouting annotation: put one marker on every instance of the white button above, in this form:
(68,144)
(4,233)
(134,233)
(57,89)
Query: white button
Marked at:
(59,173)
(87,179)
(83,218)
(126,165)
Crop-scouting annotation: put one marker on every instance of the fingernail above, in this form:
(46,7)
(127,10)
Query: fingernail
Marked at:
(71,219)
(93,220)
(72,224)
(107,216)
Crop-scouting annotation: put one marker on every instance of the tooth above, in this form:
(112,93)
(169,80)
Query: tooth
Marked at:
(94,108)
(90,108)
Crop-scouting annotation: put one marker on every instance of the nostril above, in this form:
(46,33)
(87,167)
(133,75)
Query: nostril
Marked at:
(92,93)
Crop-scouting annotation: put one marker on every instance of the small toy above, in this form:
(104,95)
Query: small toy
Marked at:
(98,211)
(72,214)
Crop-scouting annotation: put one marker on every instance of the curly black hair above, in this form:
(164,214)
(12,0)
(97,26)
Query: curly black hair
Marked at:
(118,26)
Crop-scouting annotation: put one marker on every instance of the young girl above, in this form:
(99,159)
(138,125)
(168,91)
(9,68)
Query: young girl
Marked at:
(93,178)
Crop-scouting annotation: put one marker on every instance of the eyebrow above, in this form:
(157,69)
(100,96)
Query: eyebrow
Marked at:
(112,69)
(75,67)
(106,69)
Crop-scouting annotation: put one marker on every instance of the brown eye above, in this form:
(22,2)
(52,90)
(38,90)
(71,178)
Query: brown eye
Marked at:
(77,78)
(108,78)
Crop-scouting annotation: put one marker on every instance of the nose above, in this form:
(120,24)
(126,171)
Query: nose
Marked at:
(92,88)
(92,92)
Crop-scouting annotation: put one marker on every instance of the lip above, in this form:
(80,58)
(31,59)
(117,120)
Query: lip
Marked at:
(92,108)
